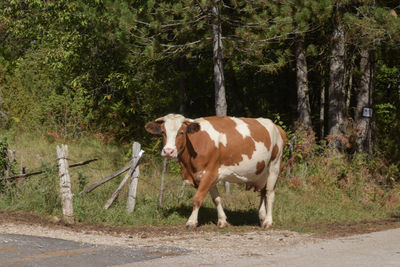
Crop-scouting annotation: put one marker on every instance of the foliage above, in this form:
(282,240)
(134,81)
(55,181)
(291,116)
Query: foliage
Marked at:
(39,194)
(82,181)
(3,155)
(4,164)
(388,112)
(79,67)
(321,188)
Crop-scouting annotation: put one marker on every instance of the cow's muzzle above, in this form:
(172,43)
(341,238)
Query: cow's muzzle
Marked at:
(168,152)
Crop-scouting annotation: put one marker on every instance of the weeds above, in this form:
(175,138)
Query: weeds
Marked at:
(322,187)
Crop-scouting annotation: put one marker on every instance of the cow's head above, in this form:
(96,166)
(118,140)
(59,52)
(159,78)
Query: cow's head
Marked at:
(174,128)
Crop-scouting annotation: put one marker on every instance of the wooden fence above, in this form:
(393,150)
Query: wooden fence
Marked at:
(131,169)
(65,180)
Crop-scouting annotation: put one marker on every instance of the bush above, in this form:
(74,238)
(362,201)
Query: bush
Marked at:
(3,155)
(39,194)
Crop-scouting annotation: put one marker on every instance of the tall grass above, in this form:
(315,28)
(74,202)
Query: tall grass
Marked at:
(322,188)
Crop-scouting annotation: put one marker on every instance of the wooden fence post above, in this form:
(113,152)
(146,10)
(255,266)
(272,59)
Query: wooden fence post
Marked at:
(131,201)
(160,197)
(227,187)
(116,192)
(182,190)
(65,184)
(134,163)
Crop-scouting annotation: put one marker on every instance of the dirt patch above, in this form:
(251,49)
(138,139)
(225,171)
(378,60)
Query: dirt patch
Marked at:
(333,230)
(56,223)
(329,230)
(205,240)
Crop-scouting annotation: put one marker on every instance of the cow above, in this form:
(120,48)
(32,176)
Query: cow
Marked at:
(213,149)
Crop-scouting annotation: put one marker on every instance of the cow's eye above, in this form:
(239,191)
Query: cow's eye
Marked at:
(181,133)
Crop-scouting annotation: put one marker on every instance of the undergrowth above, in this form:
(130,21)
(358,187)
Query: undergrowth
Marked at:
(316,185)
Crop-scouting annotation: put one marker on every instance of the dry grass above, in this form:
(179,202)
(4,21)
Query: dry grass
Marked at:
(321,188)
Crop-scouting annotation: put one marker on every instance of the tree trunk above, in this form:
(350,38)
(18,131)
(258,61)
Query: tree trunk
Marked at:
(364,100)
(337,105)
(322,110)
(303,102)
(219,79)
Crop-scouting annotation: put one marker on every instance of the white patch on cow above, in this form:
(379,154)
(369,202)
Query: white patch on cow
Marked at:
(216,136)
(273,131)
(200,174)
(241,127)
(245,171)
(172,124)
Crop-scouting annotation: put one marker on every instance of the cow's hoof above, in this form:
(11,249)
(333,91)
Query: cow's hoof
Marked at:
(266,225)
(191,226)
(222,224)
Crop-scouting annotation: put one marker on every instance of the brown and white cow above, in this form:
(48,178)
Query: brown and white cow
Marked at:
(214,149)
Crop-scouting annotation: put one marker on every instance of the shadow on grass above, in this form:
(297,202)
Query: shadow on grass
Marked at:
(209,215)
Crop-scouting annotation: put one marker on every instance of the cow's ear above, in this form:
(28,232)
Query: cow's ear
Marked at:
(153,127)
(192,127)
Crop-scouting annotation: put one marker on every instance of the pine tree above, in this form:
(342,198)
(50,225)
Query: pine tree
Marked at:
(379,26)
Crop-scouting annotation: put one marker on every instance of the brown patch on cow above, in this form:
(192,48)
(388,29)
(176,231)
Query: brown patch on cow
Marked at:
(275,151)
(202,143)
(199,151)
(256,188)
(260,167)
(153,127)
(236,146)
(283,135)
(258,132)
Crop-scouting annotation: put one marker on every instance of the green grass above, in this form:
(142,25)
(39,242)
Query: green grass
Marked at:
(322,189)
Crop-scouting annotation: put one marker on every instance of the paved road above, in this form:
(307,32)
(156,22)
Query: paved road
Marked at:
(373,249)
(379,249)
(24,250)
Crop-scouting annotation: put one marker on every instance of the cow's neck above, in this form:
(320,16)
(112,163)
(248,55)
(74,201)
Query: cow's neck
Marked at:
(186,156)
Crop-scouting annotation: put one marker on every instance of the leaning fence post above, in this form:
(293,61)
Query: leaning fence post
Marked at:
(65,184)
(160,197)
(131,201)
(134,163)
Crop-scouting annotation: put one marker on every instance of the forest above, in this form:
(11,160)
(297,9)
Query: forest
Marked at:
(74,68)
(92,73)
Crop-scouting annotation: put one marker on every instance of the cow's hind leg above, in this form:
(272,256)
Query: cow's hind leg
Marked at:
(217,201)
(262,210)
(268,194)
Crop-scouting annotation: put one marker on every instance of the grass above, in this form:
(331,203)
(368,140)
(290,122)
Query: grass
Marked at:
(321,189)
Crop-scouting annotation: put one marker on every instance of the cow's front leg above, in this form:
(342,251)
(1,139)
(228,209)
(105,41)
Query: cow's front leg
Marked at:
(204,186)
(217,201)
